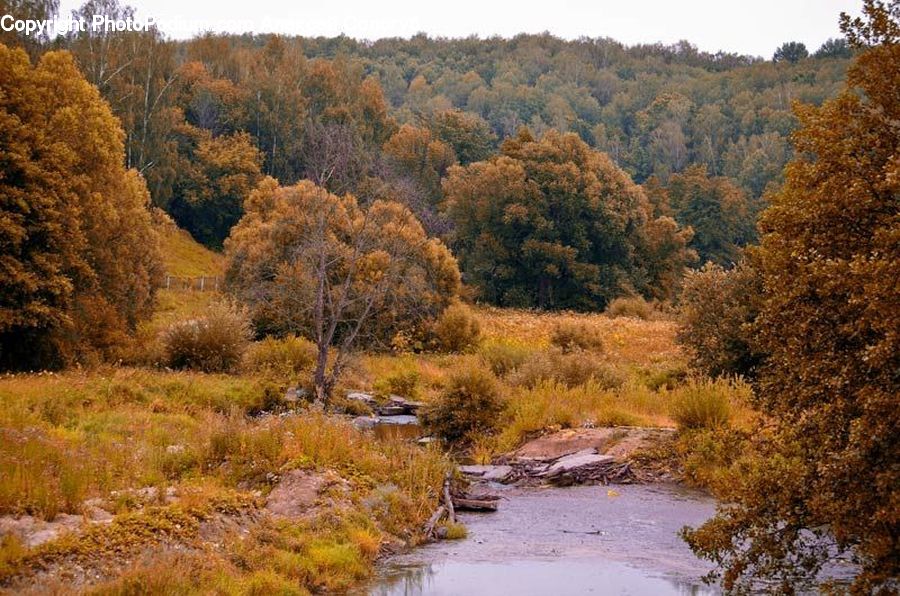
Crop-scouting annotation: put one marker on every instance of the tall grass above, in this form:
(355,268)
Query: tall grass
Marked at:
(553,405)
(707,404)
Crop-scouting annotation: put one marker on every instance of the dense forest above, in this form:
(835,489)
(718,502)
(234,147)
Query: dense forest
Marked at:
(204,119)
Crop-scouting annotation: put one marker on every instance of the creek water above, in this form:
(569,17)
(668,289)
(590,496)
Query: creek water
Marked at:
(561,541)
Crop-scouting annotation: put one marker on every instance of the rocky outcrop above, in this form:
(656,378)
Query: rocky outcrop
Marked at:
(574,456)
(394,406)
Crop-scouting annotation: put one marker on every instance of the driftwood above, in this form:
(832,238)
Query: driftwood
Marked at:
(582,467)
(448,500)
(484,503)
(439,513)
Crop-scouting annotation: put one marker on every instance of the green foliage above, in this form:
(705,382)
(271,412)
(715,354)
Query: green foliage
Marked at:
(457,329)
(552,224)
(214,177)
(633,306)
(213,343)
(404,383)
(571,336)
(383,275)
(467,134)
(470,403)
(456,531)
(718,307)
(711,457)
(790,51)
(504,356)
(566,369)
(80,255)
(721,215)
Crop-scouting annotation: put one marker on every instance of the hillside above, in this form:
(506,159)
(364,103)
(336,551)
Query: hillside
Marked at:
(185,257)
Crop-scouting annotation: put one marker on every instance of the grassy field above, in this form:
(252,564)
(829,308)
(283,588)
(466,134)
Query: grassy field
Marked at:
(172,454)
(183,256)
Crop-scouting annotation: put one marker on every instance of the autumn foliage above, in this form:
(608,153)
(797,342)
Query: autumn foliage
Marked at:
(830,261)
(79,256)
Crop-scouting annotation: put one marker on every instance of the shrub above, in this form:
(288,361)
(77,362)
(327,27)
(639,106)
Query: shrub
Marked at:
(456,531)
(214,343)
(569,370)
(404,383)
(470,403)
(504,357)
(287,356)
(667,378)
(703,404)
(708,455)
(634,307)
(571,336)
(456,330)
(717,308)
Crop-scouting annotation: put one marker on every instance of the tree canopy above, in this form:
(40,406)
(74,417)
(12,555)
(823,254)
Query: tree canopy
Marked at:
(79,255)
(828,323)
(555,224)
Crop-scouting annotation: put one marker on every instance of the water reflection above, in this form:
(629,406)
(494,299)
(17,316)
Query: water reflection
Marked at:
(524,578)
(580,540)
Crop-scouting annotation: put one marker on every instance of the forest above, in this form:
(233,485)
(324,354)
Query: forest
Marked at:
(239,255)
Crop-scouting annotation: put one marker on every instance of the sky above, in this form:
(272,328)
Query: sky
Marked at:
(754,27)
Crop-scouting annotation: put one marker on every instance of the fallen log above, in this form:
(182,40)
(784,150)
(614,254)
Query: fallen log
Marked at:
(476,504)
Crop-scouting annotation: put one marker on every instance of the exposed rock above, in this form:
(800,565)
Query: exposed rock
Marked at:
(295,394)
(396,405)
(366,398)
(299,493)
(488,473)
(408,406)
(33,531)
(365,422)
(404,419)
(295,494)
(620,442)
(583,455)
(576,461)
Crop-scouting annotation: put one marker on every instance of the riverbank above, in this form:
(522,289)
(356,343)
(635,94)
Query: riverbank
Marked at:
(114,473)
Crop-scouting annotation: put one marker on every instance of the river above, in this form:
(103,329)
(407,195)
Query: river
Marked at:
(561,541)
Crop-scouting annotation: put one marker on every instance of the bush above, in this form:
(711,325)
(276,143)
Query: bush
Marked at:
(456,330)
(470,403)
(571,336)
(703,404)
(634,307)
(214,343)
(286,356)
(569,370)
(717,308)
(404,383)
(504,357)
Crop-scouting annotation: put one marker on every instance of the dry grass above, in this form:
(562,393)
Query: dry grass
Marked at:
(65,438)
(184,256)
(68,437)
(628,342)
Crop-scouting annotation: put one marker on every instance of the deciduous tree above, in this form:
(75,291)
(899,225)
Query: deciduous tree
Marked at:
(80,259)
(829,481)
(310,262)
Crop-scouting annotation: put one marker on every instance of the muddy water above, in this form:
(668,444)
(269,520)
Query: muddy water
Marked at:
(560,541)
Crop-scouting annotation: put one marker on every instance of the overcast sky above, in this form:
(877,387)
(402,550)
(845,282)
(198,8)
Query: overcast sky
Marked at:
(754,27)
